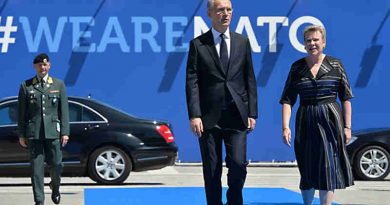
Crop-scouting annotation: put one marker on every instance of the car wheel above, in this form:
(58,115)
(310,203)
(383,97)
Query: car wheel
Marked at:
(372,163)
(109,165)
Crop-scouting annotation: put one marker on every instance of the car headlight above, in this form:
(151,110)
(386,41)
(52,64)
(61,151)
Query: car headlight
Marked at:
(353,138)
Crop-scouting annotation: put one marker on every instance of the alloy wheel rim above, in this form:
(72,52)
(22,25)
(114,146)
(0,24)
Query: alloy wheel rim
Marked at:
(110,165)
(374,163)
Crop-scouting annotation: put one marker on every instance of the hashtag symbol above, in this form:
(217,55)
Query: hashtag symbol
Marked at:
(7,30)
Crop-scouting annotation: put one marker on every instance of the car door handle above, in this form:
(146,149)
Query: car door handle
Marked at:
(92,127)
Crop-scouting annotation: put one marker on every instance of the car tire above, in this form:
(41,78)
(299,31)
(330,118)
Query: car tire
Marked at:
(372,163)
(109,165)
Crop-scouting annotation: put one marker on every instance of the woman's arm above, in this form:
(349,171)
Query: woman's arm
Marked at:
(286,115)
(347,112)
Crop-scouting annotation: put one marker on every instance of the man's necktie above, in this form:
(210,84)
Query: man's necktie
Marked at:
(224,58)
(42,83)
(223,53)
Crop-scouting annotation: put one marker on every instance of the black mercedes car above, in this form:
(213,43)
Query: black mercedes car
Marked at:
(369,153)
(105,143)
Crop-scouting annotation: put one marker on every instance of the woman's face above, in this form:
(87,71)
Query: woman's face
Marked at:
(314,44)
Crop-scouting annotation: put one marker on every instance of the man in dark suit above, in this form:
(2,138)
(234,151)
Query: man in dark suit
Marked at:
(44,126)
(222,101)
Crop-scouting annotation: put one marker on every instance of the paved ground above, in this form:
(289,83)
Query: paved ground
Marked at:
(17,191)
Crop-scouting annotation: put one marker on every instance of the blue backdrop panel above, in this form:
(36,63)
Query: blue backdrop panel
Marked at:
(132,55)
(186,195)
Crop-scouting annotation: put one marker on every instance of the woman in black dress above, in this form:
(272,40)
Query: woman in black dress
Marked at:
(322,128)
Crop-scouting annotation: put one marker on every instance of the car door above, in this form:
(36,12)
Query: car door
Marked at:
(10,150)
(84,122)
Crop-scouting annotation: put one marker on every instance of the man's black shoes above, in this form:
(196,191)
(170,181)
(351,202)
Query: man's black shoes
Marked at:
(56,197)
(38,203)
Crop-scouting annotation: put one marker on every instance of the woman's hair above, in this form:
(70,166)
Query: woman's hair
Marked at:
(314,28)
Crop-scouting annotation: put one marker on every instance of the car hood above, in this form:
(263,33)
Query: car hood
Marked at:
(370,131)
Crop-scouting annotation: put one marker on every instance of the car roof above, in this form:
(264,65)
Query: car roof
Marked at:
(97,106)
(9,98)
(69,97)
(94,104)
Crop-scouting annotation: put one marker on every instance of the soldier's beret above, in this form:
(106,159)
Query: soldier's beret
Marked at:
(41,58)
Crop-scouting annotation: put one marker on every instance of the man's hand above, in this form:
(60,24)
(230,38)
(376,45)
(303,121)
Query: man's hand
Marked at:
(23,142)
(64,140)
(251,123)
(196,126)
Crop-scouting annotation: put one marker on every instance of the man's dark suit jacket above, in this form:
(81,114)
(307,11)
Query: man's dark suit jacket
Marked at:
(207,82)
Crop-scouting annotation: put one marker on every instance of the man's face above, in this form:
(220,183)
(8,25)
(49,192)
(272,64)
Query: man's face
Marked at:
(42,69)
(221,14)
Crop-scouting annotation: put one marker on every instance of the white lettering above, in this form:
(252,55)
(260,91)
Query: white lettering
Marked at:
(200,26)
(245,23)
(294,28)
(272,20)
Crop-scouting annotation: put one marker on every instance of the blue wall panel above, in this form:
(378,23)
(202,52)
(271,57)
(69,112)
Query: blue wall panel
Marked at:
(132,55)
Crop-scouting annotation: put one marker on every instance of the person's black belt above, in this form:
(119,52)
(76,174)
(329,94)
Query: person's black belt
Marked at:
(316,102)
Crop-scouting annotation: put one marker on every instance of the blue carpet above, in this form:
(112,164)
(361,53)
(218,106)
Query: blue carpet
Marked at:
(185,196)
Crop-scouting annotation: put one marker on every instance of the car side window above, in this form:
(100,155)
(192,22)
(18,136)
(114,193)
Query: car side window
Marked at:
(79,113)
(9,114)
(89,116)
(75,112)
